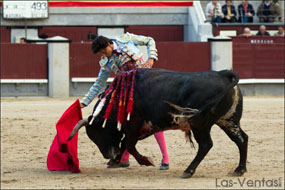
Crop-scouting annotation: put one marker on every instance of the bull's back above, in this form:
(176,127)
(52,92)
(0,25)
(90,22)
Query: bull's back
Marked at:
(155,87)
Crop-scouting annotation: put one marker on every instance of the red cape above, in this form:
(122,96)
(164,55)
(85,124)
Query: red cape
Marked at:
(63,154)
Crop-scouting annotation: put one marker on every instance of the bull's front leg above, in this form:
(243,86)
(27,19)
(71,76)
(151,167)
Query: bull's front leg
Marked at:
(131,141)
(142,160)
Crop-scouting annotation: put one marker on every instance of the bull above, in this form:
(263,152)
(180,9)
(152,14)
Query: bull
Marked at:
(167,100)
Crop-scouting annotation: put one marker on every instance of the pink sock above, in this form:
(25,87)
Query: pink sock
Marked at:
(161,142)
(125,157)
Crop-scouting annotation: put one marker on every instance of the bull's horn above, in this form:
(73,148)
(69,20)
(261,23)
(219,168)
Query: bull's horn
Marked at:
(81,123)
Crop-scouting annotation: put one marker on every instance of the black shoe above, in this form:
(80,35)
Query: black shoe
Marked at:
(125,164)
(113,166)
(164,166)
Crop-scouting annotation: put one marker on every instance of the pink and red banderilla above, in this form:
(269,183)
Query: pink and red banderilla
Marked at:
(121,88)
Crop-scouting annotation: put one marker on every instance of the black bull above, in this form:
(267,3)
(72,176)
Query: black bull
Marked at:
(164,100)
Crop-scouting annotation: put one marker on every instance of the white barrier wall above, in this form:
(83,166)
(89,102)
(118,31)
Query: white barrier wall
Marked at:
(196,30)
(221,53)
(58,69)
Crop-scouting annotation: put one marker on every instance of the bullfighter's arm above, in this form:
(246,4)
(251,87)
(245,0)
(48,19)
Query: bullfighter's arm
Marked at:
(145,41)
(96,87)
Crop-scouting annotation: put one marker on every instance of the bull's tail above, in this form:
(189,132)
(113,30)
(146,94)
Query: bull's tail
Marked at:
(188,137)
(231,76)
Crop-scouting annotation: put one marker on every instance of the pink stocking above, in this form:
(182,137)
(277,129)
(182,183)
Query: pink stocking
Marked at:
(125,157)
(161,142)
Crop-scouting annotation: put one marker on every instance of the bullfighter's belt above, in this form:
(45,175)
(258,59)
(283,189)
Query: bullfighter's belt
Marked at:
(128,66)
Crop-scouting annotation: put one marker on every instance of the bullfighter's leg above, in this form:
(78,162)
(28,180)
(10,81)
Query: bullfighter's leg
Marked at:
(205,143)
(159,136)
(162,145)
(237,135)
(125,157)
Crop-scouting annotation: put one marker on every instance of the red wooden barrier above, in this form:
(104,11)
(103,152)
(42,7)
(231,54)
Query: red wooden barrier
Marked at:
(176,56)
(76,34)
(23,61)
(4,34)
(183,56)
(83,63)
(254,57)
(159,33)
(259,57)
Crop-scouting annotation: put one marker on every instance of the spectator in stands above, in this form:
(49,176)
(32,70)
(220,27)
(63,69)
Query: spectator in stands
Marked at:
(214,11)
(246,12)
(266,11)
(280,31)
(247,32)
(23,41)
(262,31)
(278,10)
(229,12)
(43,36)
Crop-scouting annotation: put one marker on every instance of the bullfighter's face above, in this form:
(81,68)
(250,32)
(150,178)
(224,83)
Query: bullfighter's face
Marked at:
(108,51)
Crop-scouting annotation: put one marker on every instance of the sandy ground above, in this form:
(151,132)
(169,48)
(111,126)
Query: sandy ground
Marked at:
(28,128)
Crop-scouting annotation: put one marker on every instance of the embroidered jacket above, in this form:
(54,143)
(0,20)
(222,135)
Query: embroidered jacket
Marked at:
(126,45)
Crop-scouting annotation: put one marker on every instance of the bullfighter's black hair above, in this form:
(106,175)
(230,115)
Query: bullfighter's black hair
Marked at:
(99,43)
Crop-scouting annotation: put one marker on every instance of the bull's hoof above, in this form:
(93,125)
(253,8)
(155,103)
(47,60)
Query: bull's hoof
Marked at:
(186,175)
(119,165)
(239,171)
(146,161)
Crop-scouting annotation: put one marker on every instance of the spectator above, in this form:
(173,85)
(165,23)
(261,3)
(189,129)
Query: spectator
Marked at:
(280,31)
(23,41)
(247,32)
(43,36)
(262,31)
(246,12)
(214,11)
(229,12)
(278,10)
(266,11)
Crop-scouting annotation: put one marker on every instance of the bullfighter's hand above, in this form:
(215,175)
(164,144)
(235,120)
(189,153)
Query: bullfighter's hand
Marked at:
(82,105)
(149,62)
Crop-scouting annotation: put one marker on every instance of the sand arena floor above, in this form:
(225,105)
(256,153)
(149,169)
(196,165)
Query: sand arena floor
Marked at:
(28,128)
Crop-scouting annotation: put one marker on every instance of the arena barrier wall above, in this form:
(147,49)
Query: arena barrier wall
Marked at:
(258,61)
(84,66)
(24,70)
